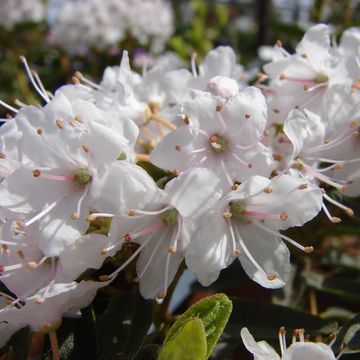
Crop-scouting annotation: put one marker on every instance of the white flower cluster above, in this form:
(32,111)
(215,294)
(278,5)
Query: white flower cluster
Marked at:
(105,22)
(243,165)
(13,12)
(302,349)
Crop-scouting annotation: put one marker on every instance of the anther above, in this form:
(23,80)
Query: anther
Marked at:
(78,119)
(75,80)
(282,77)
(219,107)
(277,157)
(247,116)
(278,43)
(178,148)
(20,254)
(74,216)
(2,155)
(250,165)
(237,252)
(132,212)
(266,132)
(127,237)
(186,120)
(306,87)
(304,56)
(172,250)
(339,166)
(272,277)
(104,278)
(103,252)
(268,190)
(349,211)
(59,124)
(235,187)
(36,173)
(303,186)
(227,215)
(335,219)
(85,148)
(32,265)
(353,124)
(160,296)
(39,300)
(309,249)
(276,111)
(39,131)
(283,216)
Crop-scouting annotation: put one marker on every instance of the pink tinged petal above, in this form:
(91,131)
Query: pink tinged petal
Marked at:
(123,187)
(350,41)
(309,351)
(284,193)
(315,44)
(305,130)
(260,350)
(184,193)
(174,150)
(210,250)
(264,257)
(222,86)
(156,266)
(245,115)
(24,193)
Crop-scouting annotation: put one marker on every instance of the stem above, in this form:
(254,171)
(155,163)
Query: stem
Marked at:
(54,345)
(162,311)
(313,303)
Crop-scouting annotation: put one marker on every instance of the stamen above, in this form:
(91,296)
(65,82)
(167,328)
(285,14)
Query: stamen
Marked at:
(44,95)
(241,161)
(94,216)
(173,246)
(193,65)
(227,175)
(348,210)
(81,77)
(221,120)
(236,251)
(39,215)
(333,219)
(324,178)
(9,107)
(282,340)
(148,230)
(76,214)
(41,85)
(135,212)
(307,249)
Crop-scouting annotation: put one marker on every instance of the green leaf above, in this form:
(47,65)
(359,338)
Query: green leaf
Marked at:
(19,344)
(342,286)
(348,338)
(214,312)
(188,343)
(86,341)
(124,326)
(148,352)
(264,320)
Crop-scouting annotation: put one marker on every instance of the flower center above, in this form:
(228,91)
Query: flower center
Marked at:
(169,217)
(82,176)
(321,78)
(218,143)
(237,209)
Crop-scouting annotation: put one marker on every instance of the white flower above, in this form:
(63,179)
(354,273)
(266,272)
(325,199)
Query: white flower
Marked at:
(302,79)
(245,224)
(296,351)
(61,299)
(61,151)
(163,226)
(13,12)
(224,137)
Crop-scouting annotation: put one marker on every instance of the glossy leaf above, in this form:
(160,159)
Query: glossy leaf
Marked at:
(188,343)
(348,338)
(214,312)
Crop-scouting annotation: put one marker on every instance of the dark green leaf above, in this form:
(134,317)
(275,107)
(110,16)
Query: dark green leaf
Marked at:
(344,287)
(19,343)
(148,352)
(188,343)
(348,338)
(214,311)
(86,341)
(124,326)
(264,320)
